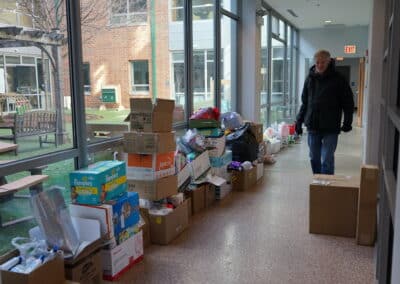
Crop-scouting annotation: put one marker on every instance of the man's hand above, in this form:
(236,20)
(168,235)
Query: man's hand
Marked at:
(346,128)
(298,128)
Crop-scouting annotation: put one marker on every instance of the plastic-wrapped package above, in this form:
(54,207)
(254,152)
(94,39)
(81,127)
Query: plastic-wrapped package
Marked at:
(206,113)
(54,220)
(269,133)
(283,130)
(247,165)
(194,140)
(232,120)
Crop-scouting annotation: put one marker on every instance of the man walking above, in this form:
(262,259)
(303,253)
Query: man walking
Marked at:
(326,95)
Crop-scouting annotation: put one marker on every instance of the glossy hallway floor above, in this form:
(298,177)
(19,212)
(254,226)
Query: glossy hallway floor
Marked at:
(262,236)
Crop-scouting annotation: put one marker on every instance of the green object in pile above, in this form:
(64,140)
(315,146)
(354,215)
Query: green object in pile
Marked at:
(204,123)
(210,132)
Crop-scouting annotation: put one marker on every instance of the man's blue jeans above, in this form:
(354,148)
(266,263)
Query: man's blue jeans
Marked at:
(322,152)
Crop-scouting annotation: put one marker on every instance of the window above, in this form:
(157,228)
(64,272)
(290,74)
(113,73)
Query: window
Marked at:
(140,76)
(178,70)
(203,9)
(177,12)
(86,78)
(228,64)
(127,12)
(230,5)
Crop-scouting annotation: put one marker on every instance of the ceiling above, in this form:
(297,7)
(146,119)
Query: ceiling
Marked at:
(313,13)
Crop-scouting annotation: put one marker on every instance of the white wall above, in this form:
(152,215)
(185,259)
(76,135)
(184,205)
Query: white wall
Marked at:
(333,39)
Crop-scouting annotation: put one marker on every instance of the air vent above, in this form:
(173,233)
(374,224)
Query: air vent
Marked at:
(291,12)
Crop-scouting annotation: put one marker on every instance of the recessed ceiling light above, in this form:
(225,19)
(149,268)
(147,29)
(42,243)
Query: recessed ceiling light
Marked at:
(328,21)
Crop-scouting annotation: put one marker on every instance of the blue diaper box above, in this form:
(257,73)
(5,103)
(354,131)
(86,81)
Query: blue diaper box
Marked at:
(98,183)
(225,159)
(125,216)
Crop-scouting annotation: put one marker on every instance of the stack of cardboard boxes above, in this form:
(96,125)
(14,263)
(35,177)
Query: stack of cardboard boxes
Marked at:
(150,155)
(99,192)
(345,205)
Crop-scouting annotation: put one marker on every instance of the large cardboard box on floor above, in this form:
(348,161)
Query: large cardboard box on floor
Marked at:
(197,197)
(333,205)
(165,228)
(244,180)
(184,175)
(82,267)
(148,117)
(222,191)
(88,270)
(119,259)
(154,189)
(367,205)
(209,195)
(50,272)
(149,143)
(257,130)
(150,166)
(115,218)
(144,226)
(260,171)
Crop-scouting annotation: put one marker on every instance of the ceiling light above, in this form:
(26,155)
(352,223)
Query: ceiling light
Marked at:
(328,21)
(291,12)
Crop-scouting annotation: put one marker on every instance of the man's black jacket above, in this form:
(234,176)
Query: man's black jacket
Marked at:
(324,98)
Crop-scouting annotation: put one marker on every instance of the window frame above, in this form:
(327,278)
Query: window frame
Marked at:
(128,14)
(132,79)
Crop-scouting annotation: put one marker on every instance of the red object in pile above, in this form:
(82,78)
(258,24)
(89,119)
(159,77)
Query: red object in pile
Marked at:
(292,129)
(206,113)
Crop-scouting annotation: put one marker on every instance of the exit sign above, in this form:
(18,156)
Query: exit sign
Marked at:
(350,49)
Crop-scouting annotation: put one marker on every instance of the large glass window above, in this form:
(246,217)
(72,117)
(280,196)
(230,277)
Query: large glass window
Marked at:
(228,64)
(278,98)
(230,5)
(86,78)
(126,12)
(203,54)
(140,76)
(177,12)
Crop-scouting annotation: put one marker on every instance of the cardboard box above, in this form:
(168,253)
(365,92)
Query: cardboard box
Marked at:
(150,166)
(149,143)
(197,197)
(244,180)
(222,172)
(147,117)
(209,196)
(144,226)
(114,218)
(200,165)
(222,191)
(50,272)
(225,159)
(184,175)
(100,182)
(164,229)
(257,130)
(260,171)
(367,205)
(89,270)
(333,205)
(154,189)
(215,145)
(121,258)
(204,123)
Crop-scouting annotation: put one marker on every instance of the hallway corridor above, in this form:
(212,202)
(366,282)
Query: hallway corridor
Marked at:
(262,236)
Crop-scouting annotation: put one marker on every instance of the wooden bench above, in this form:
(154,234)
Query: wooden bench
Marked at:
(31,123)
(26,182)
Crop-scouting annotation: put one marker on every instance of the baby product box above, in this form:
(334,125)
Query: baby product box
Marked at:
(100,182)
(116,217)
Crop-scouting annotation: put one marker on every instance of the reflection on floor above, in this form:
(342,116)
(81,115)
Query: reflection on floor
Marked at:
(262,236)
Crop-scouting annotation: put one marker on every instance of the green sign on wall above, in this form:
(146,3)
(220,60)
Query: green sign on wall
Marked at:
(108,95)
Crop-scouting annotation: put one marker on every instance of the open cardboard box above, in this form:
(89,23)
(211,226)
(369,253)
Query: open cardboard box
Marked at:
(49,272)
(85,265)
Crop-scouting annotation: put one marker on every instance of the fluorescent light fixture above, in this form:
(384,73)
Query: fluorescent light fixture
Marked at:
(339,58)
(328,21)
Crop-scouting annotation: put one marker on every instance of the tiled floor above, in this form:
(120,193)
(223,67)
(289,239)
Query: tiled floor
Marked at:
(262,236)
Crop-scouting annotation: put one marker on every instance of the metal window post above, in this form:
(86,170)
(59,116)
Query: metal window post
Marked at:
(188,64)
(217,54)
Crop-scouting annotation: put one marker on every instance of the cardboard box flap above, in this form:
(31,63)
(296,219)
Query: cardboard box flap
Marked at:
(164,105)
(148,143)
(141,105)
(336,180)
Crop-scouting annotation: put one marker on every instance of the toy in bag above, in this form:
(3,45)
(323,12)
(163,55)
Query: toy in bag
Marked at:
(231,120)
